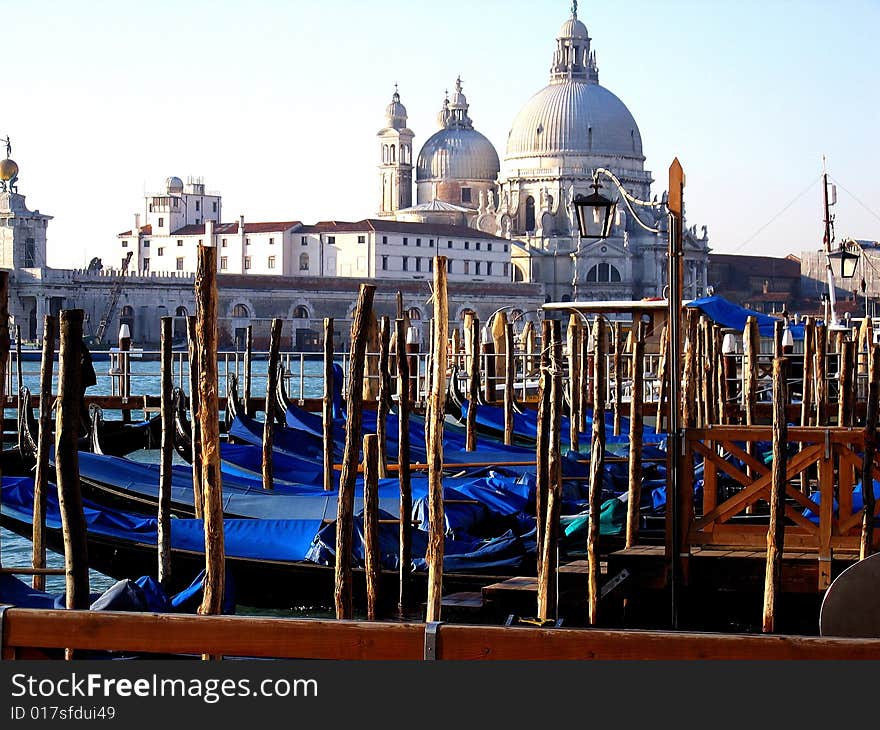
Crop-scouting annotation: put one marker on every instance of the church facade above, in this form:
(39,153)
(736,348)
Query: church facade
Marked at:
(568,133)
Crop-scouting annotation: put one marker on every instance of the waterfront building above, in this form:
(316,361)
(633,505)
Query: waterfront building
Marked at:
(558,140)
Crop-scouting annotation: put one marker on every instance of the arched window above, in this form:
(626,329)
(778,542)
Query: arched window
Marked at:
(392,149)
(303,262)
(240,311)
(413,313)
(301,312)
(179,328)
(530,213)
(603,273)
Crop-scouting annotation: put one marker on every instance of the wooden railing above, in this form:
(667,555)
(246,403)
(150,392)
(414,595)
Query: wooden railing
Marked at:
(34,633)
(820,478)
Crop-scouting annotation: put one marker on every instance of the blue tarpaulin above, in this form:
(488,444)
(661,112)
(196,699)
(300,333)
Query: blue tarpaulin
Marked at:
(728,314)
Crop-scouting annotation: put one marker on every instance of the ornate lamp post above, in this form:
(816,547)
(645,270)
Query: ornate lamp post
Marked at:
(591,210)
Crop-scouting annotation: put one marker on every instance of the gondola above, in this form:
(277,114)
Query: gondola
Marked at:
(271,563)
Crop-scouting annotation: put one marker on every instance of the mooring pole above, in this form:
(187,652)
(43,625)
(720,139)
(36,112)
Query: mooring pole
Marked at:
(776,528)
(403,468)
(674,439)
(67,428)
(327,406)
(866,542)
(550,540)
(597,467)
(269,407)
(345,502)
(383,406)
(572,335)
(18,369)
(4,351)
(436,411)
(473,385)
(166,407)
(372,557)
(542,436)
(636,423)
(248,368)
(209,420)
(44,444)
(192,337)
(509,377)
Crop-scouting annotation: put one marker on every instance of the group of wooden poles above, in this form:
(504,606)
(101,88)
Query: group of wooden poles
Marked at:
(706,389)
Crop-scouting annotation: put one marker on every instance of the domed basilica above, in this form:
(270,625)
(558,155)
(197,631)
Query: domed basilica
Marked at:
(563,135)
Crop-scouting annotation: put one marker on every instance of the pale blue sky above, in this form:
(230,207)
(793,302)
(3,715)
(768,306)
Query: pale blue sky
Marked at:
(277,104)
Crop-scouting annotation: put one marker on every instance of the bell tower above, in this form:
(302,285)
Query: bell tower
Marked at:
(395,155)
(22,231)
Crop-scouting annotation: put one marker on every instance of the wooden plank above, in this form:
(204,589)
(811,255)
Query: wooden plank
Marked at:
(321,639)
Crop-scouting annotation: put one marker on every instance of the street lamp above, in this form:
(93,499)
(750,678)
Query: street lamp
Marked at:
(597,207)
(846,260)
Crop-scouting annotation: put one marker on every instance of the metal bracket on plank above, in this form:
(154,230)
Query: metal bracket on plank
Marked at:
(432,631)
(613,583)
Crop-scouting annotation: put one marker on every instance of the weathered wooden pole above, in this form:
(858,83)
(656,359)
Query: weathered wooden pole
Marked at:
(821,374)
(691,365)
(327,406)
(44,444)
(550,540)
(509,379)
(166,454)
(403,474)
(209,427)
(499,327)
(248,369)
(437,401)
(584,397)
(473,385)
(720,383)
(636,423)
(618,375)
(269,408)
(597,469)
(488,349)
(192,337)
(572,336)
(846,386)
(383,407)
(808,389)
(18,368)
(866,541)
(354,401)
(776,528)
(542,436)
(372,556)
(662,377)
(125,367)
(67,427)
(412,350)
(371,373)
(808,386)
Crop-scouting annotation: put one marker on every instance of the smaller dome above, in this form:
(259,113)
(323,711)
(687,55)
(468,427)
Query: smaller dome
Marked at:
(174,185)
(573,28)
(457,153)
(8,169)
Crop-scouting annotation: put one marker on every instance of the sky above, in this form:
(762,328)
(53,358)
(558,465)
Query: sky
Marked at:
(276,105)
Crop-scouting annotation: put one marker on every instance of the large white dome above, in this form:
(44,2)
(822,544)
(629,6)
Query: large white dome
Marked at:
(574,117)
